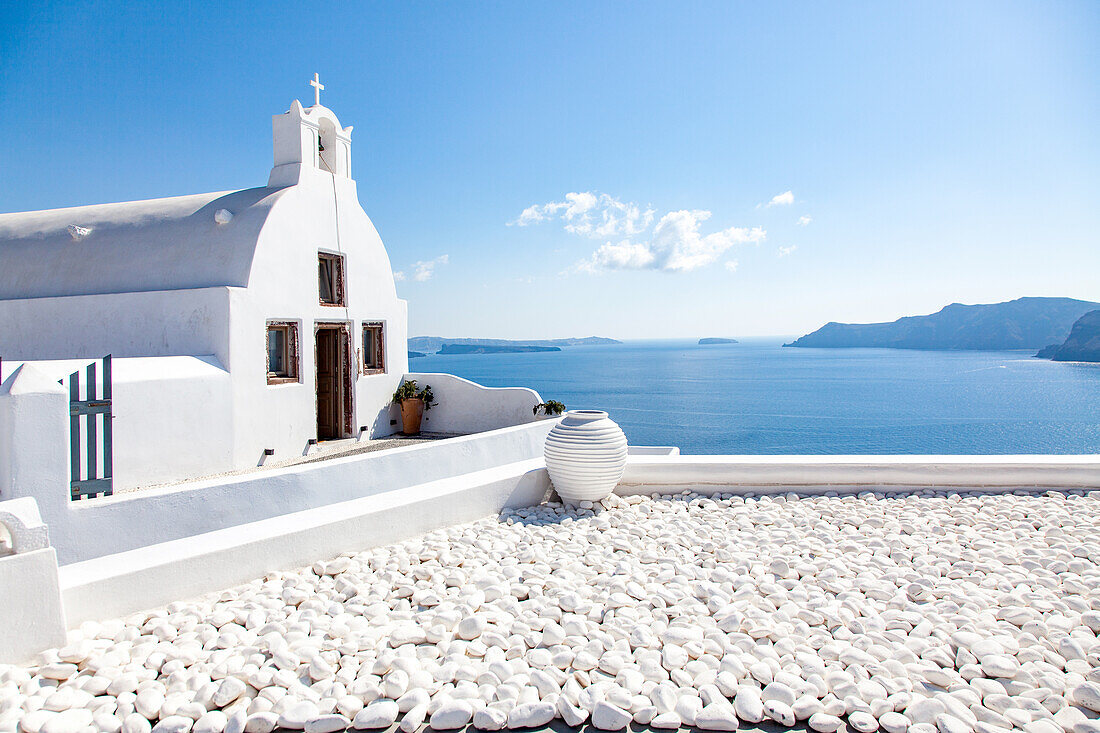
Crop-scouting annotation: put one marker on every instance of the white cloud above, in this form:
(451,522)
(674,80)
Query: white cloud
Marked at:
(625,255)
(399,276)
(731,265)
(530,215)
(632,241)
(424,269)
(804,220)
(590,215)
(781,199)
(676,245)
(784,251)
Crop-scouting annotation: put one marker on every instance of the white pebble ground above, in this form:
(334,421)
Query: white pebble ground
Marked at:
(928,612)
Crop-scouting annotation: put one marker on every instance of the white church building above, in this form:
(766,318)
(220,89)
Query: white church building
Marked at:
(243,326)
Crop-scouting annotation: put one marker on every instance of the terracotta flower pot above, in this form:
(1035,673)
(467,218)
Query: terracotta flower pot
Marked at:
(412,411)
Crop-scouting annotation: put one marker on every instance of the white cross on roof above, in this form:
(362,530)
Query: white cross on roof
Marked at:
(317,87)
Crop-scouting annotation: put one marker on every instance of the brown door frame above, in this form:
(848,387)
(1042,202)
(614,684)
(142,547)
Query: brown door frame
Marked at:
(346,381)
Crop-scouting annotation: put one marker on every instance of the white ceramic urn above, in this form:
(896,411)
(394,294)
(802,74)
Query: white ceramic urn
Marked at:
(585,455)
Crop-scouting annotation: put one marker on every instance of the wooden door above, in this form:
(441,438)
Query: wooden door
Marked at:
(329,399)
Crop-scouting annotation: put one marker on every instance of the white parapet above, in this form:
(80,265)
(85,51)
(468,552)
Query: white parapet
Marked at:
(31,616)
(651,474)
(119,584)
(468,407)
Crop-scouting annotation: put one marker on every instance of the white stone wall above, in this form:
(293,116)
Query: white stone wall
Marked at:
(115,585)
(283,286)
(34,431)
(467,407)
(158,323)
(173,417)
(647,474)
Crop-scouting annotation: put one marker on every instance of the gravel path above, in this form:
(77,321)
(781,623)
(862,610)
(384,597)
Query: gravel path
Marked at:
(931,613)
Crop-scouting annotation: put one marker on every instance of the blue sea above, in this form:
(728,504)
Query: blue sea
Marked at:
(755,397)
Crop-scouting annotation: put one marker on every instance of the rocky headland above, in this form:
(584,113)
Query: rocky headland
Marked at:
(1024,323)
(1082,344)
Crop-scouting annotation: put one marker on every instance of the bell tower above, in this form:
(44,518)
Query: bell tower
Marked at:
(309,142)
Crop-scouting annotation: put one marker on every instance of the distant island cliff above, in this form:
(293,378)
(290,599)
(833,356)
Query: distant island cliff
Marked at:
(1082,344)
(1024,323)
(714,341)
(508,349)
(436,344)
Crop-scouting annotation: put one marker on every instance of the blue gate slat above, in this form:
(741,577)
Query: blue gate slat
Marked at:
(92,442)
(74,428)
(108,432)
(98,479)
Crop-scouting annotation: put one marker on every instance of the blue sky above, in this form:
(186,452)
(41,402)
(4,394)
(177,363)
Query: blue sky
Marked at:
(934,152)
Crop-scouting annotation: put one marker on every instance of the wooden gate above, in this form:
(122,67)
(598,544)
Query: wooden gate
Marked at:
(89,418)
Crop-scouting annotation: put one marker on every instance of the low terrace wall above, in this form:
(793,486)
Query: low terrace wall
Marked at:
(130,581)
(468,407)
(497,427)
(649,474)
(81,530)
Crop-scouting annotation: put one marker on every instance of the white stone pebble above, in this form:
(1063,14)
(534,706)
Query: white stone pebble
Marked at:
(213,721)
(414,719)
(377,714)
(892,722)
(68,721)
(174,724)
(531,715)
(490,719)
(451,715)
(1087,695)
(666,721)
(918,612)
(330,723)
(863,722)
(136,723)
(716,716)
(606,716)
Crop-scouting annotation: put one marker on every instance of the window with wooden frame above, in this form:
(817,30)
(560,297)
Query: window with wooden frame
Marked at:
(282,352)
(374,356)
(330,279)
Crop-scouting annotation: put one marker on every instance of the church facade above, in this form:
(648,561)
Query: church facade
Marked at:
(241,324)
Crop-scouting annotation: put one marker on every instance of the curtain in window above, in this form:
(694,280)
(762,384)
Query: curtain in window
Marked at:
(372,343)
(327,279)
(276,351)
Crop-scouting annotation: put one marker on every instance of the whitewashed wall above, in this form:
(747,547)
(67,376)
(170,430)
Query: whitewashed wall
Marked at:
(468,407)
(173,416)
(158,323)
(31,614)
(319,213)
(34,431)
(118,584)
(649,474)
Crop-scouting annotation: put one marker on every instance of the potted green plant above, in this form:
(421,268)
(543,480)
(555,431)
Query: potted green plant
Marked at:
(413,401)
(550,408)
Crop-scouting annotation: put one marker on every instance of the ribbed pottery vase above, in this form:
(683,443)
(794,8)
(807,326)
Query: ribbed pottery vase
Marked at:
(585,455)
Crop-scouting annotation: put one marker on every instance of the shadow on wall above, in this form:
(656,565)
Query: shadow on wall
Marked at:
(386,422)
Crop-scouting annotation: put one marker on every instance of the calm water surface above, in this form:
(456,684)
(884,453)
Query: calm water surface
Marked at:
(756,397)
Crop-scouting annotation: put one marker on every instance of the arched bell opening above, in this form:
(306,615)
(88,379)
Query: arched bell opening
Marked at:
(328,148)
